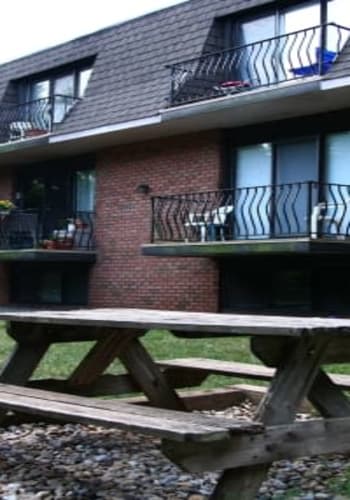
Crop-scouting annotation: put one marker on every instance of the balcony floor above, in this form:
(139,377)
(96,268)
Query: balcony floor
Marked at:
(249,247)
(40,255)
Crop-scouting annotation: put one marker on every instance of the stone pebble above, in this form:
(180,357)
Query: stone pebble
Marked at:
(79,462)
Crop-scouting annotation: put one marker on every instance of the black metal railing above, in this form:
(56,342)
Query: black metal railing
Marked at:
(302,209)
(33,118)
(30,229)
(299,54)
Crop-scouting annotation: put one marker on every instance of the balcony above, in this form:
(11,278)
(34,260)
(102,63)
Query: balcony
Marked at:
(286,58)
(27,235)
(298,217)
(33,119)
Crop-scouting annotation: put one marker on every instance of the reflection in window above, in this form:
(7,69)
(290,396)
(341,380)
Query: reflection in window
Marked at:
(85,190)
(84,77)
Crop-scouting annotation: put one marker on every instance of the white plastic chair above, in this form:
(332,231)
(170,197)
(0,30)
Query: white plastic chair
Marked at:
(211,219)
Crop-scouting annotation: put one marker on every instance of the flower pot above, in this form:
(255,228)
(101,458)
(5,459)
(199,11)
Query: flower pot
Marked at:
(63,244)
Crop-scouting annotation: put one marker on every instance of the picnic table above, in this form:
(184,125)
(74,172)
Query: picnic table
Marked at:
(296,347)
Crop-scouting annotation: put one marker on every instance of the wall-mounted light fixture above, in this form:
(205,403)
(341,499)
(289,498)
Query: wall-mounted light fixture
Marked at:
(143,189)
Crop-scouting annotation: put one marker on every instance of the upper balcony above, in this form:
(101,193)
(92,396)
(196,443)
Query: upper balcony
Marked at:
(28,235)
(291,57)
(299,217)
(34,118)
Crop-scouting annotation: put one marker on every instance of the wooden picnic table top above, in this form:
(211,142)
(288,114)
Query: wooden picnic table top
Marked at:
(185,324)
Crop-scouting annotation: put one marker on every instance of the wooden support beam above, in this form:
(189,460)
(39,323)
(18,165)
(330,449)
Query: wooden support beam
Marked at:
(272,350)
(101,355)
(36,333)
(313,437)
(295,375)
(22,362)
(149,377)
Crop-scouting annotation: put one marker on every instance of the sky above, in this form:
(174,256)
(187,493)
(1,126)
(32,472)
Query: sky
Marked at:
(27,26)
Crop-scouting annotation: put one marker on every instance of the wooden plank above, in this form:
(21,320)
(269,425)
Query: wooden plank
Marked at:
(100,356)
(308,438)
(36,333)
(22,362)
(218,367)
(328,398)
(338,350)
(243,370)
(163,423)
(189,324)
(204,399)
(149,377)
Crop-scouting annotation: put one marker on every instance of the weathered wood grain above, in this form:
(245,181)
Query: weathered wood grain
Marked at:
(100,356)
(292,381)
(190,324)
(149,377)
(22,362)
(174,425)
(236,369)
(314,437)
(267,348)
(327,398)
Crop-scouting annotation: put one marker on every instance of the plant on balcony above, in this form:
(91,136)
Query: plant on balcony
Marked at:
(6,206)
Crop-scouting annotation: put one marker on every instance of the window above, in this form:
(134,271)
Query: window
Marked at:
(85,190)
(62,87)
(270,180)
(266,56)
(51,284)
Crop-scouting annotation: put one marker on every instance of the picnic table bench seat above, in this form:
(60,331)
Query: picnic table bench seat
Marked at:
(237,369)
(166,424)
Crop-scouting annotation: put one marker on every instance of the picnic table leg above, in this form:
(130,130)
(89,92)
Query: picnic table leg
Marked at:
(22,362)
(100,356)
(291,383)
(126,346)
(149,377)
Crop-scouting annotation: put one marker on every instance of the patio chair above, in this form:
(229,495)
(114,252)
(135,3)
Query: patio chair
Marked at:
(210,223)
(323,56)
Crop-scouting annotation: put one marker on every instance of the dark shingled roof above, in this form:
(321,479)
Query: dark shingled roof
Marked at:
(130,80)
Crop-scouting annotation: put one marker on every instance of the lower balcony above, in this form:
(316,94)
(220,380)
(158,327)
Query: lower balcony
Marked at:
(300,217)
(27,235)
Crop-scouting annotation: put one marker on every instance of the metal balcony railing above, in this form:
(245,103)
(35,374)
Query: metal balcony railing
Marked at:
(29,229)
(287,57)
(34,118)
(298,210)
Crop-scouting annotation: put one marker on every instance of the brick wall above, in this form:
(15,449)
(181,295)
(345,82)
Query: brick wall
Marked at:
(123,277)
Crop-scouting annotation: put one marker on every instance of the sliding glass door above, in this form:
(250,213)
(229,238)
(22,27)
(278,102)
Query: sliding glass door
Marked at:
(296,164)
(253,191)
(336,190)
(273,191)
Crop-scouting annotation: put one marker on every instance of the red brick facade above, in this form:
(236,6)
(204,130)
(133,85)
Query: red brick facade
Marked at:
(123,277)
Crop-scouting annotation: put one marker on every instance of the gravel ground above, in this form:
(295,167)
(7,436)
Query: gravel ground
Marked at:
(42,461)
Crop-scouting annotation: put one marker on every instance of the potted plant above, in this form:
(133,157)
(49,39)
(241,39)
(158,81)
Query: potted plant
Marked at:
(6,206)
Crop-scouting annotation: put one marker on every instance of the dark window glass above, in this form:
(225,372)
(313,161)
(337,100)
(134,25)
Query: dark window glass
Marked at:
(49,284)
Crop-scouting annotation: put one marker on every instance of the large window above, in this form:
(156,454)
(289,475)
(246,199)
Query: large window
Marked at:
(63,88)
(49,284)
(271,179)
(273,57)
